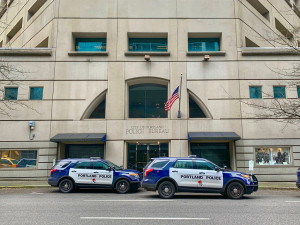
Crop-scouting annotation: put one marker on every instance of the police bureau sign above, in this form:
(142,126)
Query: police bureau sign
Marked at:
(147,130)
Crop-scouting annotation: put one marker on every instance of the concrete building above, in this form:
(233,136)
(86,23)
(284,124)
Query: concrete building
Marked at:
(93,77)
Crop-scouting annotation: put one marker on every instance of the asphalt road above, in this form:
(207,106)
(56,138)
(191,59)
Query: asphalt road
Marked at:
(49,206)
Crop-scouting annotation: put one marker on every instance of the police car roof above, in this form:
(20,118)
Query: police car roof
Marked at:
(80,159)
(181,158)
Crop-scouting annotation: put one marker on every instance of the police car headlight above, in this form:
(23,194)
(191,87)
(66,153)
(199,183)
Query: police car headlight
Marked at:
(134,174)
(246,176)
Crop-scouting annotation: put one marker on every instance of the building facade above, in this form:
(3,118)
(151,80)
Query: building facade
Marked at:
(91,79)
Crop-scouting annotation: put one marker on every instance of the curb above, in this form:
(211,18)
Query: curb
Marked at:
(26,186)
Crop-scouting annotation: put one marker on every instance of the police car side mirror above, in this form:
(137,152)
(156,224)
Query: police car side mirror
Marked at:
(217,169)
(109,169)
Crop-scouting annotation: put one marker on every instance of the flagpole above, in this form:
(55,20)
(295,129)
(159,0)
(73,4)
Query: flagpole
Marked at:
(179,114)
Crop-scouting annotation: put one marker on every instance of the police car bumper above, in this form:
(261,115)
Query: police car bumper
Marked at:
(149,187)
(52,182)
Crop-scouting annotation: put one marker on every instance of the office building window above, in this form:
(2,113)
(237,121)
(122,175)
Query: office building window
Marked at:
(279,91)
(18,158)
(194,109)
(36,93)
(203,44)
(147,101)
(148,44)
(298,91)
(90,44)
(273,156)
(99,112)
(11,93)
(255,92)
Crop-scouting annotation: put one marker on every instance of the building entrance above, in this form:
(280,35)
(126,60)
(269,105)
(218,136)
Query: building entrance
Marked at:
(139,154)
(215,152)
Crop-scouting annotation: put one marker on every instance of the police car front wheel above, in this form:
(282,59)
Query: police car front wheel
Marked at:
(235,190)
(66,186)
(166,189)
(122,186)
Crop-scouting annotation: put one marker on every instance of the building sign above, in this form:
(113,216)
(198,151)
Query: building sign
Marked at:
(136,130)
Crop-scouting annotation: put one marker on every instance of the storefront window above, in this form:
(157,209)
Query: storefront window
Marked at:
(18,158)
(273,156)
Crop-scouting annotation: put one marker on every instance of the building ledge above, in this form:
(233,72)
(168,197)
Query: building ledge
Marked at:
(75,53)
(269,51)
(147,53)
(25,51)
(217,53)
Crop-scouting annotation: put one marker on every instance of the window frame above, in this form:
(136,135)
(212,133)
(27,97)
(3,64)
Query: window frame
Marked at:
(278,165)
(30,93)
(12,87)
(256,86)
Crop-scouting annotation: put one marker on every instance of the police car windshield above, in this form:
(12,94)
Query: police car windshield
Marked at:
(114,166)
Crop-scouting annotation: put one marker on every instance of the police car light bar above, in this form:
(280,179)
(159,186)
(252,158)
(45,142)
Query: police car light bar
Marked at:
(192,156)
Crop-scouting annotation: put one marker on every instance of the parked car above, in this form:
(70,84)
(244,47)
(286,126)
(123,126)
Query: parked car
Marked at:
(169,175)
(26,163)
(8,163)
(298,178)
(69,174)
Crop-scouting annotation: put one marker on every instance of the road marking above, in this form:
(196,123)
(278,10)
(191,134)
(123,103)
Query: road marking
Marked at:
(293,201)
(129,200)
(139,218)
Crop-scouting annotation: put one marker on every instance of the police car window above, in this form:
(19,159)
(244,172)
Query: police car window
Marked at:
(100,166)
(202,165)
(83,165)
(184,164)
(62,164)
(159,163)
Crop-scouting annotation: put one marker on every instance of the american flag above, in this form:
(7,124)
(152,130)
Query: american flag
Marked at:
(171,100)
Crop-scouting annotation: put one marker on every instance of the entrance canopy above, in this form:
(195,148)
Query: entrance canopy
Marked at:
(215,136)
(79,137)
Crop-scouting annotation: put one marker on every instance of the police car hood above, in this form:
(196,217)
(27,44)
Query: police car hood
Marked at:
(129,171)
(234,173)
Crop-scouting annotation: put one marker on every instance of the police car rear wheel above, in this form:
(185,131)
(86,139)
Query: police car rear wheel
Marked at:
(235,190)
(122,186)
(166,189)
(66,186)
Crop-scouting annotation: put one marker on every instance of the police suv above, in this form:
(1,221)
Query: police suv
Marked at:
(69,174)
(169,175)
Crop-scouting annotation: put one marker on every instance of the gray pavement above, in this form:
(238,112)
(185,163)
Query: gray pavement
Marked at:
(49,206)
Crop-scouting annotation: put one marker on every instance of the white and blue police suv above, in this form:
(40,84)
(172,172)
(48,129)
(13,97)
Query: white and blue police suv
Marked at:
(169,175)
(69,174)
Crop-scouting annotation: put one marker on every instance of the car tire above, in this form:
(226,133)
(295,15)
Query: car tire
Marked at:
(66,186)
(235,190)
(166,190)
(122,186)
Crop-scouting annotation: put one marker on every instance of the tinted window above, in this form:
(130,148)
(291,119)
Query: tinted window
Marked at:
(90,44)
(36,93)
(99,112)
(202,165)
(204,44)
(62,164)
(83,165)
(100,166)
(159,164)
(255,92)
(279,91)
(5,161)
(148,44)
(184,164)
(11,94)
(194,110)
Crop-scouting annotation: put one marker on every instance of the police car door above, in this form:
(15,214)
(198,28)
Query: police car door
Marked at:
(82,172)
(103,175)
(184,173)
(210,177)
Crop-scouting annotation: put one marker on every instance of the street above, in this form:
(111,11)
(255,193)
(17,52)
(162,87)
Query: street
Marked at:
(49,206)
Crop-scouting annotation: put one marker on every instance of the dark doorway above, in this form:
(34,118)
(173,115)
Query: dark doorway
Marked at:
(218,153)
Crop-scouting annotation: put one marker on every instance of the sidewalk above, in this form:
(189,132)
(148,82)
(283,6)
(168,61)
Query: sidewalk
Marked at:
(44,184)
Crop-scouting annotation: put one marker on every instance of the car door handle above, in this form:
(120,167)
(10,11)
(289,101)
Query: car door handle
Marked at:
(201,173)
(96,172)
(175,171)
(73,171)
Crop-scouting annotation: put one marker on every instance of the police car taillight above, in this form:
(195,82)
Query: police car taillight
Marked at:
(148,171)
(53,170)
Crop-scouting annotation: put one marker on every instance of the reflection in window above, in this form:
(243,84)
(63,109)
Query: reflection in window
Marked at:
(83,165)
(279,91)
(100,166)
(11,93)
(194,110)
(147,101)
(90,44)
(273,156)
(18,158)
(202,165)
(298,91)
(36,93)
(148,44)
(255,92)
(203,44)
(99,112)
(184,164)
